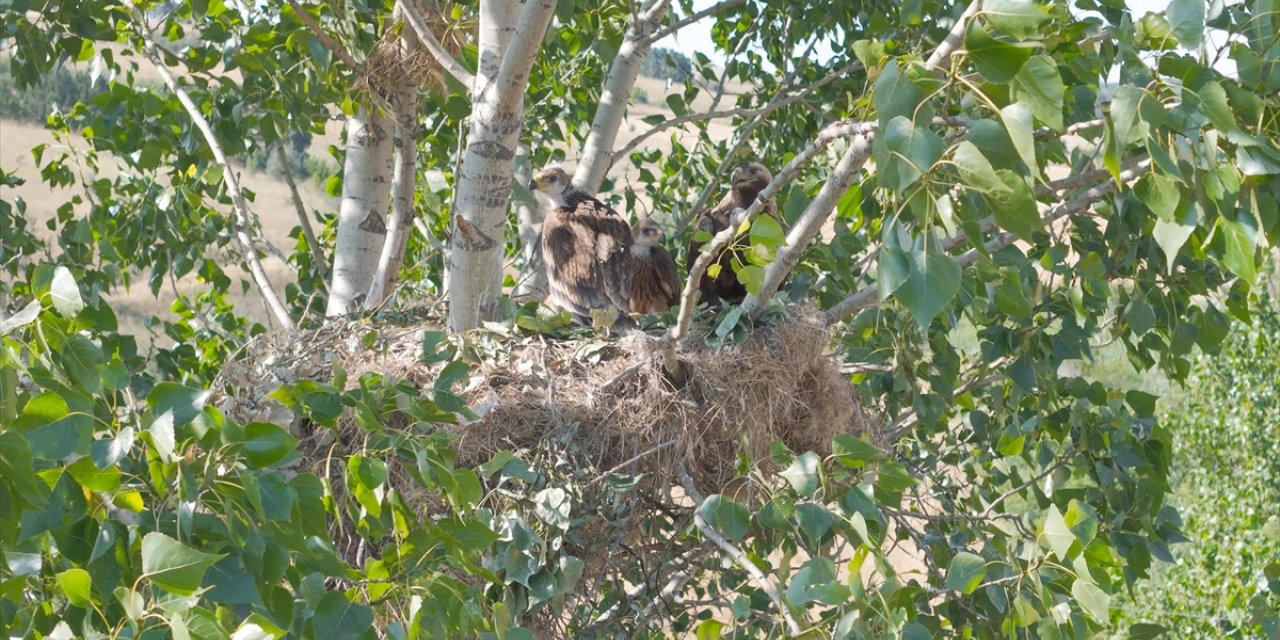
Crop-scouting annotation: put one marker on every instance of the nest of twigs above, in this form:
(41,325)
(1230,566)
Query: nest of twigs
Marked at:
(395,64)
(612,401)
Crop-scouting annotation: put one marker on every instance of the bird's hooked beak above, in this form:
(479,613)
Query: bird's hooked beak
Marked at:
(534,184)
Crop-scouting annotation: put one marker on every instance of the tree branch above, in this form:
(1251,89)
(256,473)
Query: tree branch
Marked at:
(304,220)
(324,38)
(949,44)
(810,223)
(867,296)
(597,151)
(692,18)
(241,216)
(779,101)
(738,555)
(517,60)
(450,64)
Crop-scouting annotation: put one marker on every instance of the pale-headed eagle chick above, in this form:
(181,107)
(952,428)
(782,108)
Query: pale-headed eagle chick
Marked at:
(587,250)
(747,181)
(655,286)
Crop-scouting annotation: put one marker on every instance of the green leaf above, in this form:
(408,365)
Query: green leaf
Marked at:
(997,61)
(803,474)
(1160,193)
(266,444)
(853,452)
(365,476)
(1092,599)
(162,436)
(1038,85)
(16,468)
(554,507)
(1146,631)
(1018,18)
(905,152)
(185,403)
(934,281)
(1187,19)
(51,430)
(77,586)
(1213,99)
(1017,120)
(92,478)
(894,477)
(752,277)
(1241,241)
(975,170)
(1014,207)
(65,293)
(1057,533)
(337,618)
(895,95)
(726,516)
(992,139)
(815,521)
(813,582)
(1170,236)
(709,630)
(892,270)
(1126,115)
(767,231)
(472,535)
(1082,520)
(965,572)
(20,319)
(174,566)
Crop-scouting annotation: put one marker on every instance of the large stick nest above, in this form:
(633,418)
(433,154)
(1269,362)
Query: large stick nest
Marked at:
(612,402)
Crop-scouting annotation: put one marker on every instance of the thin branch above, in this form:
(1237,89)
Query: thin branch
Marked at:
(810,223)
(738,556)
(304,220)
(867,296)
(949,44)
(779,101)
(242,217)
(692,18)
(688,297)
(449,63)
(324,38)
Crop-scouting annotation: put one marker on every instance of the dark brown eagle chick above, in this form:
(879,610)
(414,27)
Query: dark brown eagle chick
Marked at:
(587,249)
(747,181)
(655,287)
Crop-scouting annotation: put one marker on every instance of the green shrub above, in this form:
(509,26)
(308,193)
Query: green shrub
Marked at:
(1225,580)
(60,91)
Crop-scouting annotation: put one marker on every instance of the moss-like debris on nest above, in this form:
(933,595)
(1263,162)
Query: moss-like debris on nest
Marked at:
(611,402)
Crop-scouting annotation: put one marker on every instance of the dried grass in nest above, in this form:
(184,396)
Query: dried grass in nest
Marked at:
(626,415)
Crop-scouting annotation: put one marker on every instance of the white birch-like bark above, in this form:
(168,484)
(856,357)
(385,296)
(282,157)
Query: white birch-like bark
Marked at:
(597,151)
(362,222)
(484,180)
(532,282)
(403,185)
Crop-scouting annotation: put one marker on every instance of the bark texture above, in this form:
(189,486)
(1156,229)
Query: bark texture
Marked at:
(362,216)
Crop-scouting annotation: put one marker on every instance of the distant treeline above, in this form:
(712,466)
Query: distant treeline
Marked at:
(665,64)
(64,87)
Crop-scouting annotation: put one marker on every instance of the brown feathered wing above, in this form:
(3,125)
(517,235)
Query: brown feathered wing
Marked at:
(655,286)
(586,247)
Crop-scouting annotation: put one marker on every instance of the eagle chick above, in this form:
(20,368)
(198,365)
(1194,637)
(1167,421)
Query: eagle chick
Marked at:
(747,181)
(655,286)
(586,247)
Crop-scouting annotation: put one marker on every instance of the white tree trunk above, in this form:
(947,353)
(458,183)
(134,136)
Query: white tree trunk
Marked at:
(484,180)
(403,184)
(362,222)
(532,282)
(597,151)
